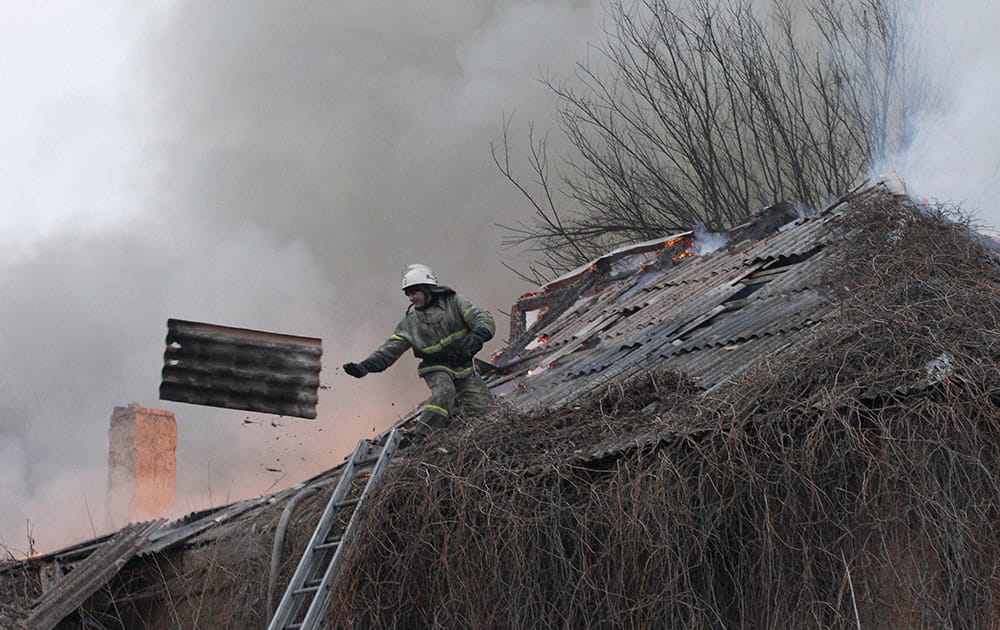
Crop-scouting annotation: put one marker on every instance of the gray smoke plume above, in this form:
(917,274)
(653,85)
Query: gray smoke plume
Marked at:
(953,156)
(257,164)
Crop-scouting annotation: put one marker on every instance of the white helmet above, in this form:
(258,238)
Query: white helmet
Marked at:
(418,274)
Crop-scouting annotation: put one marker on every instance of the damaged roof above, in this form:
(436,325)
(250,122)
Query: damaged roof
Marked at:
(676,303)
(682,303)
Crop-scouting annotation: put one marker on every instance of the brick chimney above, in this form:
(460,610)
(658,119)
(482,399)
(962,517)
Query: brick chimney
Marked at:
(142,465)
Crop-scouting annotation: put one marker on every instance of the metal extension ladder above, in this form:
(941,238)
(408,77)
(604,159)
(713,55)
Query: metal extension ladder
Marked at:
(308,594)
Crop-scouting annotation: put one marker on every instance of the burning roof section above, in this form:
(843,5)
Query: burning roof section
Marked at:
(708,313)
(673,303)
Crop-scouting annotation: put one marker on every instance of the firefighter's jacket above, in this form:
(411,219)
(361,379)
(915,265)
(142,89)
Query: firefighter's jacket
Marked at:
(437,335)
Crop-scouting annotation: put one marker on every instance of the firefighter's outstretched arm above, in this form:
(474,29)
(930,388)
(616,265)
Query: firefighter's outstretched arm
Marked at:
(386,355)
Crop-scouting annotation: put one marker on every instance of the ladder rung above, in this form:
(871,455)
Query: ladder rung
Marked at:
(345,503)
(305,589)
(366,462)
(327,545)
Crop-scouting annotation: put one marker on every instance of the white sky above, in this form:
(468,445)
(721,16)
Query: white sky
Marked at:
(64,111)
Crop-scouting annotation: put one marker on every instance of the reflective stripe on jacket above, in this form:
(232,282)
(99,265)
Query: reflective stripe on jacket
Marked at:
(436,334)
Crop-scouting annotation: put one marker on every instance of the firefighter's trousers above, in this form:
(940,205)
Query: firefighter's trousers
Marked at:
(471,392)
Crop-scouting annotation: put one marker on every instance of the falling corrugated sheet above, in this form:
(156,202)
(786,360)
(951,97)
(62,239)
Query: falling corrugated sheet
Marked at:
(237,368)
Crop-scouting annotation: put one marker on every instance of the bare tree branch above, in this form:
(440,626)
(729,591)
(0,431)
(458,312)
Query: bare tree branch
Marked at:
(702,111)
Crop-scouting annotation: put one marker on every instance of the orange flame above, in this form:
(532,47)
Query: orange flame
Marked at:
(532,295)
(688,243)
(542,368)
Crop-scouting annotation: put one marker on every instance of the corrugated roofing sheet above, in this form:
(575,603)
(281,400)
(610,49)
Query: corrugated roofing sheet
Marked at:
(709,317)
(237,368)
(89,575)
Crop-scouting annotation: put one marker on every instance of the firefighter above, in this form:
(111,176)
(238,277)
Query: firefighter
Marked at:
(445,330)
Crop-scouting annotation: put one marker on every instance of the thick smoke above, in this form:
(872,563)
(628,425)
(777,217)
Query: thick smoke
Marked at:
(954,156)
(257,164)
(706,242)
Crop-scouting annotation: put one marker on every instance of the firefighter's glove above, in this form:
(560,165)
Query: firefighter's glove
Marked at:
(357,370)
(474,342)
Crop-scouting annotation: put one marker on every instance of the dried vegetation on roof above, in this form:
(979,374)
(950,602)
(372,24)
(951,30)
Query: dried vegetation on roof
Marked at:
(18,586)
(852,479)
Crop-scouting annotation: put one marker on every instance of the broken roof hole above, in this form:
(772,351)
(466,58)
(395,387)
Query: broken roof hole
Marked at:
(793,259)
(745,292)
(641,283)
